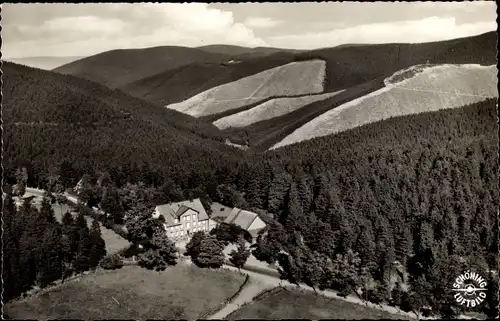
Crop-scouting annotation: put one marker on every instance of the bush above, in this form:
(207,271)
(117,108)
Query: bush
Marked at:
(111,262)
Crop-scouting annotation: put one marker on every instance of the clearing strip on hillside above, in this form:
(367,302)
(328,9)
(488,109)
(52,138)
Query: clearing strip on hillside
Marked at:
(296,78)
(432,89)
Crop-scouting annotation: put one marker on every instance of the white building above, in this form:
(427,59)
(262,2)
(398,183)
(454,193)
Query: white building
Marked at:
(184,218)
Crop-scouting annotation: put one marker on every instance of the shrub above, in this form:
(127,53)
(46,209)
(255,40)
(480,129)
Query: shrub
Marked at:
(111,262)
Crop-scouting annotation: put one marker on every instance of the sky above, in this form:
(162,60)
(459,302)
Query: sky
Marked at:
(30,30)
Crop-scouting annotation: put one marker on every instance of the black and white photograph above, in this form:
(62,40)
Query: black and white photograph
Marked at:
(235,161)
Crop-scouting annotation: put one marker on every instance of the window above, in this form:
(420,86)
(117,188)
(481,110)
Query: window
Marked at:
(176,221)
(195,217)
(188,218)
(187,225)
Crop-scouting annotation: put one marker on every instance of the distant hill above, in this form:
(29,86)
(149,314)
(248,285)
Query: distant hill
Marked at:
(116,68)
(47,63)
(245,52)
(49,119)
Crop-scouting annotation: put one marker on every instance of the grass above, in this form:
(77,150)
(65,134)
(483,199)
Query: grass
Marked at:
(304,77)
(180,292)
(436,88)
(269,110)
(264,134)
(286,304)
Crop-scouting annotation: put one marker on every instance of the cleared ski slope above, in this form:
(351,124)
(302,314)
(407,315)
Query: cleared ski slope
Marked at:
(270,109)
(414,90)
(296,78)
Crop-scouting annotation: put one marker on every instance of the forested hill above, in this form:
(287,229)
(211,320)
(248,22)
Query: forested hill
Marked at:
(34,95)
(352,65)
(50,119)
(116,68)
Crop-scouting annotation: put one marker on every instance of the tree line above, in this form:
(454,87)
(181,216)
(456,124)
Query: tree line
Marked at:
(39,250)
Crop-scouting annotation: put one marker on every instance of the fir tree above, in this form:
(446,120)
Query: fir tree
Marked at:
(98,249)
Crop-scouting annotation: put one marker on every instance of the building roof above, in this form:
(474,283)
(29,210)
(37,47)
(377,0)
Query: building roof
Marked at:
(241,218)
(220,211)
(174,210)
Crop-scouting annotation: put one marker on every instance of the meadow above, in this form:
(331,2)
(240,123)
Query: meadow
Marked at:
(180,292)
(285,304)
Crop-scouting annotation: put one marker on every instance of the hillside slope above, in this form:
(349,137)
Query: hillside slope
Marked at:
(415,90)
(116,68)
(269,110)
(50,119)
(296,78)
(176,85)
(352,65)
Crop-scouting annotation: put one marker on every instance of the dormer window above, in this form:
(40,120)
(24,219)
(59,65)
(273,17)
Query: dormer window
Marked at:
(176,221)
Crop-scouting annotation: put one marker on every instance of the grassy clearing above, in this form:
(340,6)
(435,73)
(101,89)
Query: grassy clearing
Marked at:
(268,110)
(180,292)
(295,78)
(264,134)
(436,88)
(284,304)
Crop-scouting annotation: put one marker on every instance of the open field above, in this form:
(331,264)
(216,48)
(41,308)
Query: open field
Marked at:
(285,304)
(435,88)
(268,110)
(180,292)
(264,134)
(305,77)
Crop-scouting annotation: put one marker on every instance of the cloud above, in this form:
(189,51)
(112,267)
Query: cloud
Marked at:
(412,31)
(90,29)
(261,22)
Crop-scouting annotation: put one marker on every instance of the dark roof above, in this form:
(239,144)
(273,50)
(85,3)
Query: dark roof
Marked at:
(219,210)
(174,210)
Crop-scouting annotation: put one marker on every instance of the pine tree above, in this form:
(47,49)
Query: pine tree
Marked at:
(161,252)
(21,181)
(11,252)
(306,193)
(293,216)
(239,256)
(366,247)
(211,253)
(47,212)
(312,269)
(98,249)
(404,245)
(278,190)
(491,308)
(321,203)
(48,257)
(83,244)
